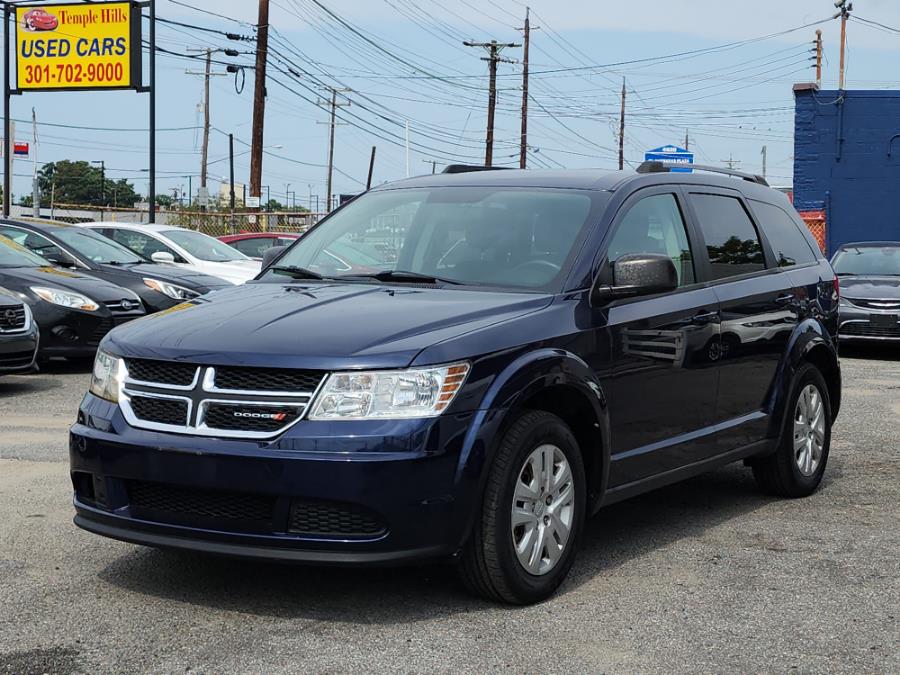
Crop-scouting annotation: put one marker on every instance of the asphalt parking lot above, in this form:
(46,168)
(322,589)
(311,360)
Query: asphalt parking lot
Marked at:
(706,576)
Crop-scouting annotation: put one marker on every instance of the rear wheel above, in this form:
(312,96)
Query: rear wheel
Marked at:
(797,466)
(524,542)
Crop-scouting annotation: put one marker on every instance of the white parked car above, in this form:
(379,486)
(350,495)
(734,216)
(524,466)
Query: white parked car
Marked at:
(181,247)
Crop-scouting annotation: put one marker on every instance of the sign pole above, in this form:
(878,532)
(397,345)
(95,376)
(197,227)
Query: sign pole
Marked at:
(7,132)
(152,196)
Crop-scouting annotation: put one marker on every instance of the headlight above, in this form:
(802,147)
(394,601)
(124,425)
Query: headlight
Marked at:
(173,291)
(418,392)
(107,376)
(57,296)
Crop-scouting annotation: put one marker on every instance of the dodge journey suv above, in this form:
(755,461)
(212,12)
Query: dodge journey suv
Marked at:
(492,358)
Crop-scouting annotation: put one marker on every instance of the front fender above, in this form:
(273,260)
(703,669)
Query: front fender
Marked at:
(510,392)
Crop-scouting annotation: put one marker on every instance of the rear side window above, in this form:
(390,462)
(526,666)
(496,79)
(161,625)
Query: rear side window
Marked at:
(788,242)
(731,238)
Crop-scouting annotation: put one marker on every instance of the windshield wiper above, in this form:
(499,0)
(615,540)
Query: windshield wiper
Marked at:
(296,272)
(404,276)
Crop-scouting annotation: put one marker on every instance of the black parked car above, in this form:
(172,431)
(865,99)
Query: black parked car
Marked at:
(159,286)
(18,334)
(870,290)
(73,311)
(530,347)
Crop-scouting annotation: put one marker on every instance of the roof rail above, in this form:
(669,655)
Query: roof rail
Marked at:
(469,168)
(660,167)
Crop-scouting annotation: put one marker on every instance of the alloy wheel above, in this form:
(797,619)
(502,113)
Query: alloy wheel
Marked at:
(809,430)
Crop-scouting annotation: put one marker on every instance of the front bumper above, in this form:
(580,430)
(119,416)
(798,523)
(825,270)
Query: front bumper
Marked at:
(18,351)
(74,333)
(871,325)
(345,493)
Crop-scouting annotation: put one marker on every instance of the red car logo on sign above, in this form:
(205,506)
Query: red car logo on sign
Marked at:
(39,20)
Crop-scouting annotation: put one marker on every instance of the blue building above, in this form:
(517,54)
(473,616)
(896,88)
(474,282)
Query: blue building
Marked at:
(847,164)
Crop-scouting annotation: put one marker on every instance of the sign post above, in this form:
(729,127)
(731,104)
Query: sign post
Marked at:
(77,47)
(679,158)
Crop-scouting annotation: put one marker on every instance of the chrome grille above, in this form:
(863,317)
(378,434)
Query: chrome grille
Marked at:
(866,329)
(189,399)
(13,319)
(883,305)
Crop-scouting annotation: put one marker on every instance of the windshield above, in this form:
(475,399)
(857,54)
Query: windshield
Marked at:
(509,237)
(16,255)
(203,246)
(868,261)
(96,247)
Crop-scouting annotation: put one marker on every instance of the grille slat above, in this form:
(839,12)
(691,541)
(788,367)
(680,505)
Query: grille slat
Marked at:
(239,417)
(180,505)
(161,372)
(160,410)
(267,379)
(333,519)
(870,330)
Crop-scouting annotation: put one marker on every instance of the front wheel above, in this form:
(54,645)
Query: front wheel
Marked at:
(524,541)
(797,466)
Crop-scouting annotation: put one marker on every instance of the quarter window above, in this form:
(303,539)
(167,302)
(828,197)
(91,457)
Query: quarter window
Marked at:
(788,243)
(654,225)
(731,238)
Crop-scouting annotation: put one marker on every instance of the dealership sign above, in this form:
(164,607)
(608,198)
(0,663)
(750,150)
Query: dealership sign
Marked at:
(78,46)
(678,158)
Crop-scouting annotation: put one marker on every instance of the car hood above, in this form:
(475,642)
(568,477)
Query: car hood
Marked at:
(183,276)
(317,325)
(871,288)
(237,271)
(21,278)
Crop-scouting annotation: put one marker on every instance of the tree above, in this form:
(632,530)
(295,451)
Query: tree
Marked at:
(165,200)
(80,183)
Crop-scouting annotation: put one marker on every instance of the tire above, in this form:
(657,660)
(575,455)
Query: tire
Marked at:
(490,565)
(791,472)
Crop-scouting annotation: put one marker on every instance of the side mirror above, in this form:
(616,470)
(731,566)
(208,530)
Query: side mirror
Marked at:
(271,254)
(59,258)
(163,258)
(636,274)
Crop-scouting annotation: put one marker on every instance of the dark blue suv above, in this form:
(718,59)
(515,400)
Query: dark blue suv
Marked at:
(467,366)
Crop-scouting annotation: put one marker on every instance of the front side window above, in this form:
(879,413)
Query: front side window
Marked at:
(204,247)
(143,244)
(33,242)
(654,225)
(731,238)
(13,254)
(507,237)
(868,261)
(788,243)
(95,247)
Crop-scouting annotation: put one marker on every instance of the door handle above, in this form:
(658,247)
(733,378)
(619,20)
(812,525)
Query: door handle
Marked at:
(703,318)
(784,298)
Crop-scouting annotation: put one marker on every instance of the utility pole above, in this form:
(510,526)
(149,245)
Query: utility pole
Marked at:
(259,99)
(334,106)
(231,179)
(622,129)
(433,163)
(731,161)
(818,44)
(523,149)
(687,140)
(371,169)
(494,48)
(207,73)
(407,148)
(35,196)
(844,10)
(764,153)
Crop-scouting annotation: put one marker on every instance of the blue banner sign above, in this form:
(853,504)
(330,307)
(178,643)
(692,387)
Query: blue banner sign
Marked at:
(672,155)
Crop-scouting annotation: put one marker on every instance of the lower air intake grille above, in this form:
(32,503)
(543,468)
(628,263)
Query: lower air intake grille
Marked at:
(869,330)
(160,410)
(175,504)
(161,372)
(333,519)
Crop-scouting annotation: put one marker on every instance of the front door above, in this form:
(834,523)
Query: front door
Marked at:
(661,378)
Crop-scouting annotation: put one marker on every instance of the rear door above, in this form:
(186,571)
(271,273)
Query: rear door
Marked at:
(661,378)
(758,305)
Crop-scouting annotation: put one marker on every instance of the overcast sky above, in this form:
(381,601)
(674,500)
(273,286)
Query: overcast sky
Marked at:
(403,61)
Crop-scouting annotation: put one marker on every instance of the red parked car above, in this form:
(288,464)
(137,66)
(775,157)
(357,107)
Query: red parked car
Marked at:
(254,244)
(38,20)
